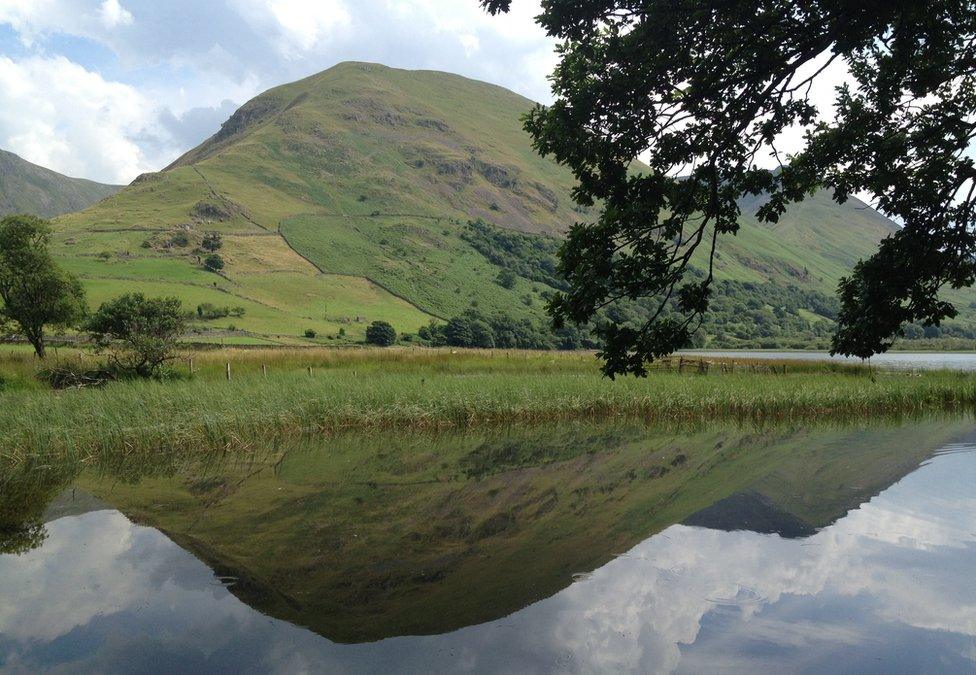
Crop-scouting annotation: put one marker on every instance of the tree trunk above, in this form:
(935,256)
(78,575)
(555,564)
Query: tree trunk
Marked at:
(37,341)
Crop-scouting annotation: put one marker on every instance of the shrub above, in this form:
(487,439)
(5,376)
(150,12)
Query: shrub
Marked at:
(458,332)
(381,333)
(212,241)
(310,334)
(140,333)
(213,262)
(68,376)
(506,279)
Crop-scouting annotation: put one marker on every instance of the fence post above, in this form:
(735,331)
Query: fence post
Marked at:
(191,365)
(310,370)
(264,370)
(681,363)
(228,371)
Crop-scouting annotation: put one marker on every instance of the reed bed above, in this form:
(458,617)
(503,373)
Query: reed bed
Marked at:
(433,389)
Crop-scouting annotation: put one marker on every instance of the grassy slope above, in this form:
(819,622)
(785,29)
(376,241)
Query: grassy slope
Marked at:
(346,195)
(28,188)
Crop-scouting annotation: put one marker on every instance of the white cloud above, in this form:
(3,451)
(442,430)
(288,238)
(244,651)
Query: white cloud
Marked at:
(59,115)
(113,14)
(296,27)
(309,23)
(471,43)
(33,20)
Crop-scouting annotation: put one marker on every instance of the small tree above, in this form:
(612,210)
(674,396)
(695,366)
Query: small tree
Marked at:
(310,333)
(506,278)
(140,332)
(213,262)
(457,332)
(481,334)
(381,333)
(35,291)
(212,241)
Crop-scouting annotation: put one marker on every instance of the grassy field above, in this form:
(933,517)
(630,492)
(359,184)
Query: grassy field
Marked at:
(329,390)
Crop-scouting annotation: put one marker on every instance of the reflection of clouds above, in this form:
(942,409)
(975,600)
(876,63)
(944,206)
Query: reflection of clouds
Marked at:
(83,565)
(98,564)
(907,556)
(894,574)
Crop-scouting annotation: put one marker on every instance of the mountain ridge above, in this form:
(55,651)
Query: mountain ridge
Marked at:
(29,188)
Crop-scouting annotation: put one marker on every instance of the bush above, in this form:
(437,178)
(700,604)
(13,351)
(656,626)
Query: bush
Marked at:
(67,376)
(212,241)
(506,279)
(310,334)
(140,333)
(208,311)
(381,333)
(213,263)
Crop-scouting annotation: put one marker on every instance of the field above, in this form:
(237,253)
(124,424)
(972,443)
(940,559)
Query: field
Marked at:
(325,391)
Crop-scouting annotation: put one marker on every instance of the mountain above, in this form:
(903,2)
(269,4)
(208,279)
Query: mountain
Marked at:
(28,188)
(347,197)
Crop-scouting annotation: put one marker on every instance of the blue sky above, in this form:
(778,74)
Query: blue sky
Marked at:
(108,89)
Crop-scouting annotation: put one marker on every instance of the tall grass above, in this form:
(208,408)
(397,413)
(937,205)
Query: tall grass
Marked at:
(425,389)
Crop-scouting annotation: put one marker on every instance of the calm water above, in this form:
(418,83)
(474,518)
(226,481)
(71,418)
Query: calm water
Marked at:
(577,549)
(900,360)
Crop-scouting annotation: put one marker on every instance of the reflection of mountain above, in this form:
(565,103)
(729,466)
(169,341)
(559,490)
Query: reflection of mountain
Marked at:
(73,502)
(750,511)
(366,539)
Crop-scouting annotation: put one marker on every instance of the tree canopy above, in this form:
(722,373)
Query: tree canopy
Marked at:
(381,333)
(704,91)
(142,332)
(36,292)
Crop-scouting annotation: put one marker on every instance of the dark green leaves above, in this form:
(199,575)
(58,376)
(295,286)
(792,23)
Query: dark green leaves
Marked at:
(141,332)
(35,291)
(707,90)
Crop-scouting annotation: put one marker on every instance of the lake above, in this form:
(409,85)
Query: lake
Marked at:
(897,360)
(578,548)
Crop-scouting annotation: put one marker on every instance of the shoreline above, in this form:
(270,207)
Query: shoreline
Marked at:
(372,390)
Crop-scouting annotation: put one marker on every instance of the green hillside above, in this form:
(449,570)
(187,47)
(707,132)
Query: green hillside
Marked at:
(346,197)
(28,188)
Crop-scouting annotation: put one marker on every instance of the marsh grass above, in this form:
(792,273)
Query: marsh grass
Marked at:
(357,389)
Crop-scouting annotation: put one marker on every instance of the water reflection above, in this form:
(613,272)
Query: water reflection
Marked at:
(578,549)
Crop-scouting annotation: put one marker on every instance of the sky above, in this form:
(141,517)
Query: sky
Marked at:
(110,89)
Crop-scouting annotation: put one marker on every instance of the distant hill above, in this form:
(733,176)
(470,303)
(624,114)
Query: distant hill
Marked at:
(346,197)
(28,188)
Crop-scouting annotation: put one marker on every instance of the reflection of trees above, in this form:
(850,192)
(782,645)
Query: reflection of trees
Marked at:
(28,486)
(25,492)
(22,538)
